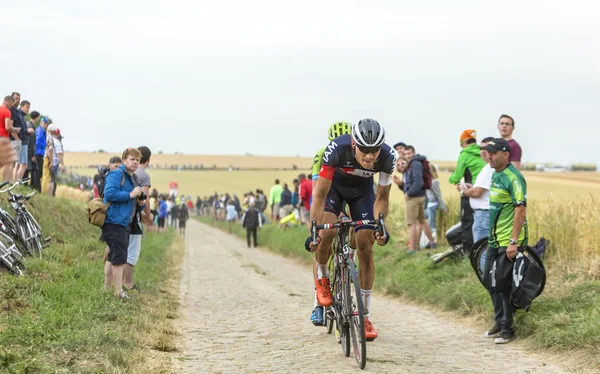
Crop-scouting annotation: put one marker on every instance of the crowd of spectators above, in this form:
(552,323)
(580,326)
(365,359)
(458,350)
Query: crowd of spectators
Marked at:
(36,143)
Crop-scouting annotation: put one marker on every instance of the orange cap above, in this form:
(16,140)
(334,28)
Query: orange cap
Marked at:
(467,134)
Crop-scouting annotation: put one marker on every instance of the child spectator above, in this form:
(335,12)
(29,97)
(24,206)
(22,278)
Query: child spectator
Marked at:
(251,221)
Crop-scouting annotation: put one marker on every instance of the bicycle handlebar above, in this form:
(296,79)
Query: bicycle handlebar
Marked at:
(19,182)
(343,224)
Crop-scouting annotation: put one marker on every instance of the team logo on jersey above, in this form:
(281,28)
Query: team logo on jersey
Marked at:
(348,164)
(358,172)
(330,148)
(364,215)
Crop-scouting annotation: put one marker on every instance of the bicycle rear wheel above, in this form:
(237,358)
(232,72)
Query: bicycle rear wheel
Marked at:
(354,311)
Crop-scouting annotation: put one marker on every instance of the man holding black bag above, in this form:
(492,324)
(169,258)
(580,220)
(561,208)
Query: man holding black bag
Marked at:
(508,233)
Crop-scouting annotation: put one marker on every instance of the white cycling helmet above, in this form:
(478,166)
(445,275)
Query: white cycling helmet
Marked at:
(368,133)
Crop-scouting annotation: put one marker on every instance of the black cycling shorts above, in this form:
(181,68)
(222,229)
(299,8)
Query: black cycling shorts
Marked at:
(161,222)
(360,200)
(117,239)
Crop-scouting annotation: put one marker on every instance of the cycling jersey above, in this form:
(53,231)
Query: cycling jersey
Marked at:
(351,183)
(340,165)
(508,190)
(318,160)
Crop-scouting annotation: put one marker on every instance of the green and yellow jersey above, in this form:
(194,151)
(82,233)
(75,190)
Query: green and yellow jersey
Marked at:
(317,161)
(508,191)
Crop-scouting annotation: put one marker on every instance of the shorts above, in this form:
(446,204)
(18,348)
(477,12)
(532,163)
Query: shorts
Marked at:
(133,251)
(117,239)
(17,145)
(415,210)
(24,154)
(181,224)
(275,210)
(161,222)
(359,198)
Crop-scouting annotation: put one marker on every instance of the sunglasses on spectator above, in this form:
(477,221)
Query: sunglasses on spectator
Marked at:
(367,150)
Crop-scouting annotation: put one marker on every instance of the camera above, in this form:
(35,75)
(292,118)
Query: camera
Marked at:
(142,196)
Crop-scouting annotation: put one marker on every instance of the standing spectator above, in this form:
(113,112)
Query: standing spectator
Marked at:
(251,221)
(58,160)
(48,176)
(121,192)
(31,161)
(163,212)
(305,195)
(506,126)
(6,126)
(174,214)
(399,147)
(142,179)
(285,204)
(114,163)
(18,128)
(26,131)
(479,196)
(40,151)
(198,205)
(295,193)
(434,198)
(401,166)
(182,217)
(232,214)
(275,200)
(261,204)
(415,199)
(468,166)
(509,232)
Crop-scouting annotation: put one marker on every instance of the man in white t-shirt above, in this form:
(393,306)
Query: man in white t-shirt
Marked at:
(479,195)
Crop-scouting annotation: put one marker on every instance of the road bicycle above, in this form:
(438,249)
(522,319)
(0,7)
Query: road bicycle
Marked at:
(10,257)
(347,309)
(23,227)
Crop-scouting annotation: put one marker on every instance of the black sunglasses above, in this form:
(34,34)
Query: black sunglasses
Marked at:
(367,150)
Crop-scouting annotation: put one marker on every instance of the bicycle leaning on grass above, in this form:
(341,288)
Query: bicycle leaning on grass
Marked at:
(347,309)
(23,227)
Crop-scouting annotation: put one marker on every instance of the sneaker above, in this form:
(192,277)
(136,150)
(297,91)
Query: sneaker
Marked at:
(317,316)
(492,333)
(323,291)
(122,296)
(431,246)
(411,251)
(505,337)
(370,332)
(133,289)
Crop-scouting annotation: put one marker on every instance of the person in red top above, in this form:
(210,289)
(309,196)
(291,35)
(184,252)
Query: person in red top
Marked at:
(5,116)
(506,126)
(305,194)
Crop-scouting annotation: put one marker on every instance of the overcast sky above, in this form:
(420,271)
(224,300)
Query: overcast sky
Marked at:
(268,77)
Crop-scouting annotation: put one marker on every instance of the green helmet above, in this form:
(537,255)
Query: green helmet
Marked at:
(338,129)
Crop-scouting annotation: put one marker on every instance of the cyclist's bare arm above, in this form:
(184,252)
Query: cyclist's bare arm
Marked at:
(382,201)
(319,194)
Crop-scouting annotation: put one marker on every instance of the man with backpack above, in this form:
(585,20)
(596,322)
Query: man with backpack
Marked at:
(418,180)
(468,166)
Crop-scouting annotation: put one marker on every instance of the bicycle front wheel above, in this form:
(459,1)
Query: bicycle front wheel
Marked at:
(354,311)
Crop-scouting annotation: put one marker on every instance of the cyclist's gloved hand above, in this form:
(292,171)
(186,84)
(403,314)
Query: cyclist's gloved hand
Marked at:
(308,242)
(382,240)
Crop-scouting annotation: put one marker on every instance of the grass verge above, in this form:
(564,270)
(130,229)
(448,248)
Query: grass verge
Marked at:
(57,318)
(564,319)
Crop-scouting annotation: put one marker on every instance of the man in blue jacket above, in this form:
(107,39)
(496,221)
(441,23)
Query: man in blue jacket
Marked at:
(121,192)
(415,199)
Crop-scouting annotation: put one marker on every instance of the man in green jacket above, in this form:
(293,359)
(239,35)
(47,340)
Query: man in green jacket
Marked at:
(275,199)
(468,166)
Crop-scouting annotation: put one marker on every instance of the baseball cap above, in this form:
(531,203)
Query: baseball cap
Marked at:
(496,145)
(468,134)
(52,128)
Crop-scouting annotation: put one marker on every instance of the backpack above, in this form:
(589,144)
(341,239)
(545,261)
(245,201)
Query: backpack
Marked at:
(427,177)
(527,280)
(96,210)
(500,274)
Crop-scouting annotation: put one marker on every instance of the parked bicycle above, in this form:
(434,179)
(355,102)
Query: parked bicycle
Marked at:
(10,257)
(347,309)
(23,227)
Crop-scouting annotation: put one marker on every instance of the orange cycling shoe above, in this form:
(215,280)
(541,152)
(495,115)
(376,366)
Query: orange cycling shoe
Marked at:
(323,291)
(370,332)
